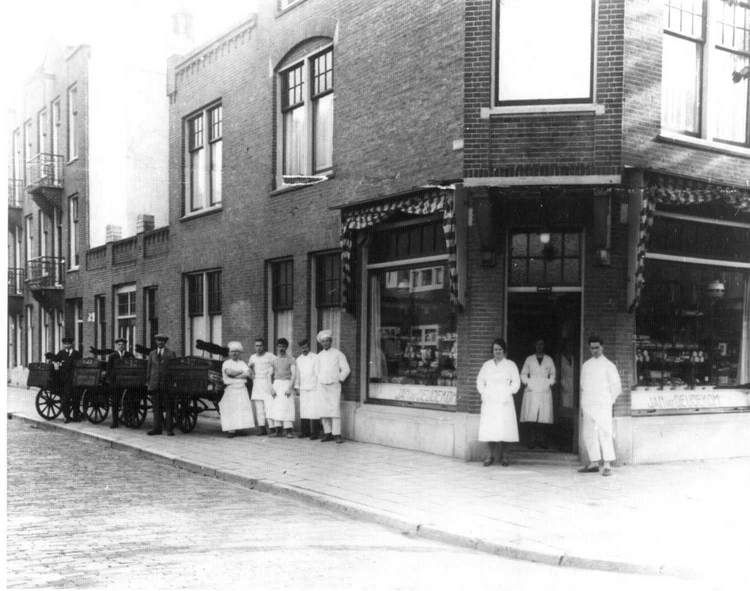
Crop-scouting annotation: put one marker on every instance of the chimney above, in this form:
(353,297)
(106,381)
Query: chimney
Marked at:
(144,223)
(114,233)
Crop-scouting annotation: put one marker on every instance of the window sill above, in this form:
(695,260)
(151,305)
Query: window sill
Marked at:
(201,213)
(595,108)
(74,269)
(692,142)
(73,161)
(288,8)
(289,188)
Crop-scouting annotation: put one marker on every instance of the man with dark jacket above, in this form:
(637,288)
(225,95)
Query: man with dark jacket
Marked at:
(64,363)
(156,374)
(116,393)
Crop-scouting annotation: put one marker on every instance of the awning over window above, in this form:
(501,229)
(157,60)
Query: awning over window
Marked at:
(422,201)
(671,190)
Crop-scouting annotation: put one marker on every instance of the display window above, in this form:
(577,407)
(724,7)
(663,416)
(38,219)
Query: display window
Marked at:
(692,325)
(413,345)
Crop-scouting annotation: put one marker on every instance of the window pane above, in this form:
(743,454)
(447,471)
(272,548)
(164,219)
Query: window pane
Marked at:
(554,271)
(729,100)
(571,272)
(282,282)
(197,179)
(536,271)
(328,279)
(681,85)
(323,120)
(195,295)
(556,38)
(214,292)
(518,272)
(216,172)
(215,116)
(519,244)
(295,146)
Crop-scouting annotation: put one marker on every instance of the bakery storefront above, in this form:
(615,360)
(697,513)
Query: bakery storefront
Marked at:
(400,278)
(692,312)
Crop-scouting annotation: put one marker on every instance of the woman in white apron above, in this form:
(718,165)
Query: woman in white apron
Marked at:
(497,382)
(235,408)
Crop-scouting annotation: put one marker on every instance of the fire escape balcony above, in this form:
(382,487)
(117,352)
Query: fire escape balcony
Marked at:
(45,278)
(15,291)
(15,202)
(44,180)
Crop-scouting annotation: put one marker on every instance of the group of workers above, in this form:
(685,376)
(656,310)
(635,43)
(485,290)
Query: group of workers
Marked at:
(270,407)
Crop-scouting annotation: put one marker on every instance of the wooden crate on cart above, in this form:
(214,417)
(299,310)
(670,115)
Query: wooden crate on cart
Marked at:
(40,375)
(88,372)
(130,373)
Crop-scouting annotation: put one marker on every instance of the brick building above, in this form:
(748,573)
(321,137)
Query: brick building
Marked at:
(404,175)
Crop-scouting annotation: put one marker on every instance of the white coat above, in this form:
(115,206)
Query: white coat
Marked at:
(235,408)
(537,398)
(497,382)
(331,368)
(307,384)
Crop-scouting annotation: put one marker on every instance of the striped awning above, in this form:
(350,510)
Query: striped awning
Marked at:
(671,190)
(422,201)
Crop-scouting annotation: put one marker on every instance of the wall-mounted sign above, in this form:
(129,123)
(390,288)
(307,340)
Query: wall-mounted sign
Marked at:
(653,399)
(414,393)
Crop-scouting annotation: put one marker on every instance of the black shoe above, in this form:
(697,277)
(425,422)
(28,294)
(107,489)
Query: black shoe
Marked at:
(313,437)
(66,421)
(338,439)
(262,431)
(327,437)
(154,432)
(170,433)
(114,426)
(230,435)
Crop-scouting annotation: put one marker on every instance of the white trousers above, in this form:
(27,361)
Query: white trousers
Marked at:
(597,437)
(260,413)
(331,425)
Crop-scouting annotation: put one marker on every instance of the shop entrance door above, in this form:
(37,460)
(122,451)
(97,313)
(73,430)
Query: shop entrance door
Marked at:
(555,317)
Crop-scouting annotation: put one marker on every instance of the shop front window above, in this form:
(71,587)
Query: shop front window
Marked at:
(692,325)
(412,327)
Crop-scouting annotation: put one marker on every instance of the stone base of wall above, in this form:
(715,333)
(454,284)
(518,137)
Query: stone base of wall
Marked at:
(17,376)
(656,439)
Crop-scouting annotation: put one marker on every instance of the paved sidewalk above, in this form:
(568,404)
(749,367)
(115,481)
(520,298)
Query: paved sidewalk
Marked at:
(687,519)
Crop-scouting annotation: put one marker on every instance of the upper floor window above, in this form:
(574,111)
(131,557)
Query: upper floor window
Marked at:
(705,43)
(17,158)
(28,149)
(545,51)
(284,4)
(307,116)
(41,130)
(203,160)
(73,234)
(55,144)
(72,119)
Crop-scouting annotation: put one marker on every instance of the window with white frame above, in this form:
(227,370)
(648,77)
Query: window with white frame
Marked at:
(282,300)
(30,334)
(202,309)
(706,44)
(17,163)
(29,233)
(544,51)
(100,309)
(306,89)
(203,162)
(72,119)
(126,314)
(78,315)
(327,281)
(73,233)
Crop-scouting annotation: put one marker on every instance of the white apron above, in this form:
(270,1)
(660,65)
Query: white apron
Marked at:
(281,408)
(236,409)
(330,400)
(307,384)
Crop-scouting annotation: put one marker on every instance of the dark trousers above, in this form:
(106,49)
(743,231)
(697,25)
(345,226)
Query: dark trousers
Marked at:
(115,394)
(310,427)
(71,405)
(161,398)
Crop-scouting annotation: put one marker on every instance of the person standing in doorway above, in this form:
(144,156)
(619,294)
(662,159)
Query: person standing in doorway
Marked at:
(538,375)
(156,371)
(331,368)
(600,387)
(307,386)
(262,395)
(497,382)
(114,392)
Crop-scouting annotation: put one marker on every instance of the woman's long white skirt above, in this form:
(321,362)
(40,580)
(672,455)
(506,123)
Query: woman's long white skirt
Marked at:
(282,407)
(497,419)
(235,408)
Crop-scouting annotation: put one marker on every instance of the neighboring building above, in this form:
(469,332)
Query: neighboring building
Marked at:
(424,177)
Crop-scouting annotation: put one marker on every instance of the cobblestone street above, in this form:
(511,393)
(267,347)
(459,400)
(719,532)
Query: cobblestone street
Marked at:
(81,515)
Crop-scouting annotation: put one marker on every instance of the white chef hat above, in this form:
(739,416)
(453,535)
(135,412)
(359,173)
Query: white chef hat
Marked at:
(324,334)
(235,346)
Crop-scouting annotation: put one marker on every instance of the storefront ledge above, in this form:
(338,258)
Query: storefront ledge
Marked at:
(675,438)
(17,376)
(444,433)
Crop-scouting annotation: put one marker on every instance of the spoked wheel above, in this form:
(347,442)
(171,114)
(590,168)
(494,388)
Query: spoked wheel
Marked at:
(186,413)
(95,404)
(133,408)
(48,404)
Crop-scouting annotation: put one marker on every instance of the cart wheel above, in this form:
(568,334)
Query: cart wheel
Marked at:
(95,405)
(186,414)
(133,408)
(48,404)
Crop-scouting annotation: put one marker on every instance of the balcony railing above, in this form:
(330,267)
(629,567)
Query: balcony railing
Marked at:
(15,281)
(45,170)
(45,273)
(15,193)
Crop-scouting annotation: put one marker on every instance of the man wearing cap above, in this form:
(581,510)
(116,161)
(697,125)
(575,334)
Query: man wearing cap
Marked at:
(116,393)
(156,372)
(64,362)
(331,368)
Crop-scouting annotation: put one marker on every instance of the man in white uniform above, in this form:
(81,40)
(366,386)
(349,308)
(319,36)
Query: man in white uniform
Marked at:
(538,375)
(262,395)
(331,368)
(600,387)
(307,387)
